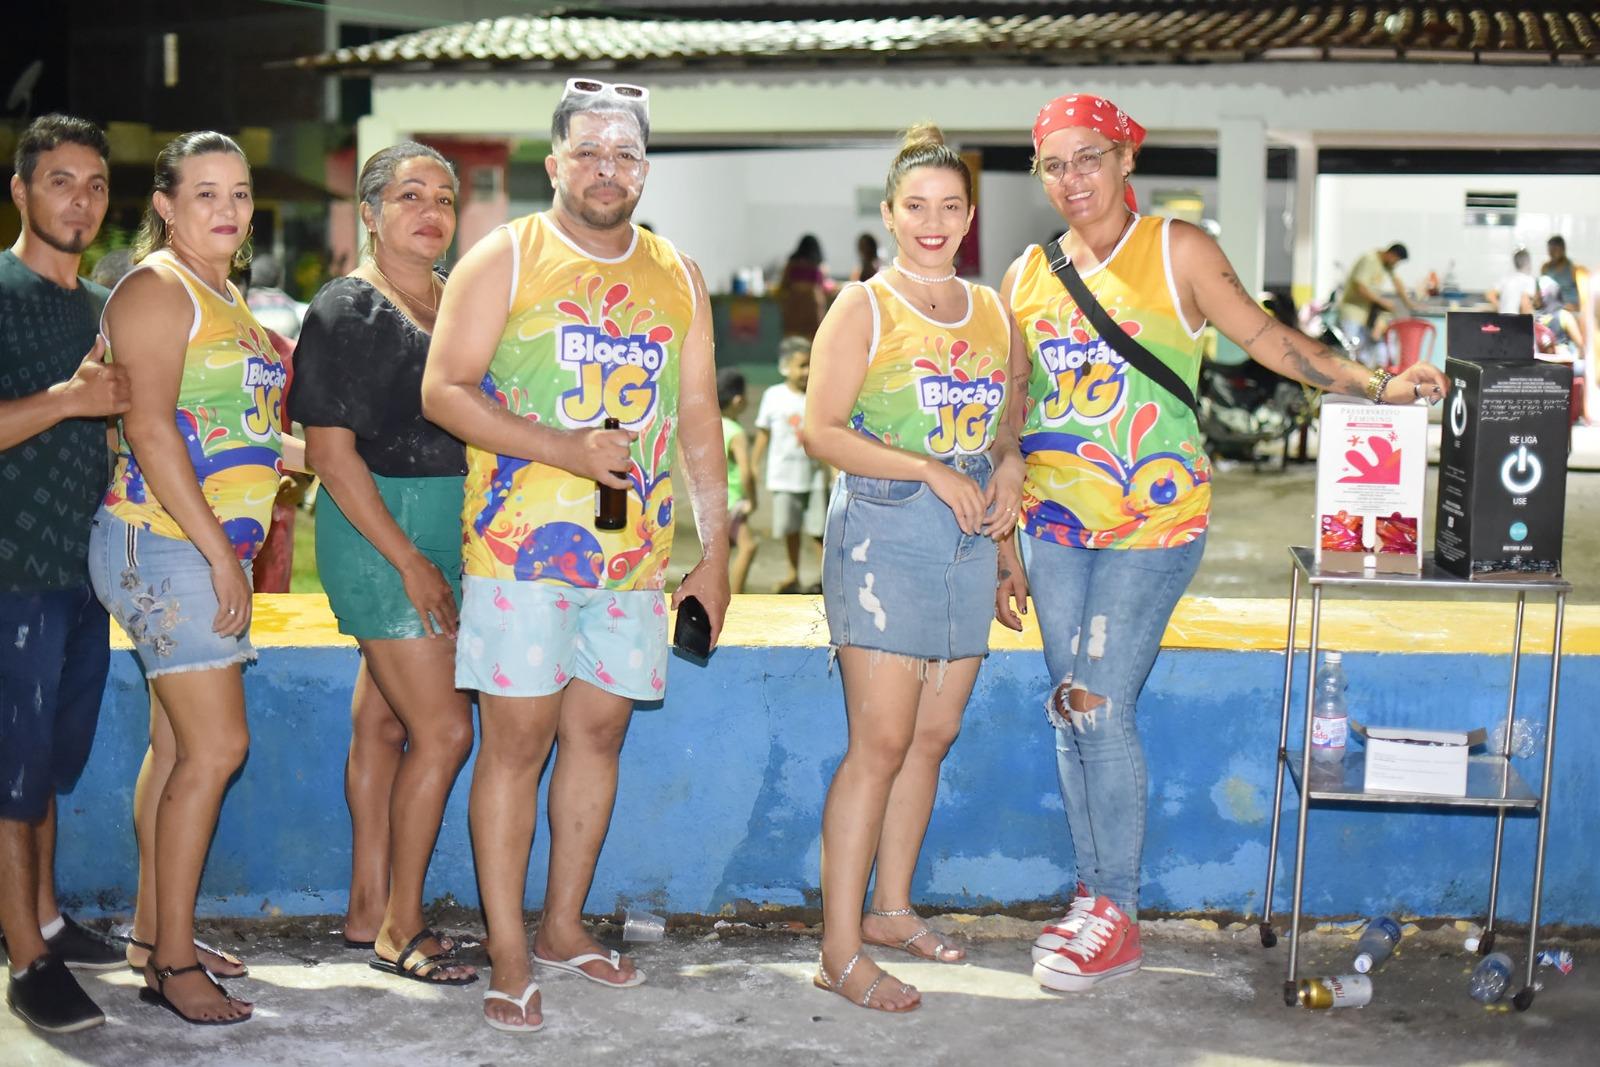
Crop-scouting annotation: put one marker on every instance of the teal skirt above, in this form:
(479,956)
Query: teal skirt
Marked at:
(364,590)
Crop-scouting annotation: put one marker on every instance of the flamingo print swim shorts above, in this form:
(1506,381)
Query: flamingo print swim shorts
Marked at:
(529,639)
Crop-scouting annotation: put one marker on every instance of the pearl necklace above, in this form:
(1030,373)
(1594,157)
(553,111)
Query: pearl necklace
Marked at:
(923,278)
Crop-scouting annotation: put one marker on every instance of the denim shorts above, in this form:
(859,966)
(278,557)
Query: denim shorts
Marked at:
(898,575)
(159,591)
(54,652)
(529,639)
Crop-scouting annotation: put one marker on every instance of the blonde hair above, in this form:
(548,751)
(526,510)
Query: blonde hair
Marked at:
(153,234)
(923,146)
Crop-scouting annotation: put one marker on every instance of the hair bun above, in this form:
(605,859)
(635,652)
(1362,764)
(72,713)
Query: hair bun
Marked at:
(921,135)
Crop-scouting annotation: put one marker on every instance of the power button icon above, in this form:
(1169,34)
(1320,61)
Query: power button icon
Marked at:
(1521,471)
(1458,414)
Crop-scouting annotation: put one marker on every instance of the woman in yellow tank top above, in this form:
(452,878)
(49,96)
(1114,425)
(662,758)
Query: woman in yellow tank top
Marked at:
(911,376)
(1118,491)
(197,471)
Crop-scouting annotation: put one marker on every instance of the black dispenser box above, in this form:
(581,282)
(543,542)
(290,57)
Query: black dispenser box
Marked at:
(1502,452)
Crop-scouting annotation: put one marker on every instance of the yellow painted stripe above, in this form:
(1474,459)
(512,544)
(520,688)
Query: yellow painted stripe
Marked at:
(1240,624)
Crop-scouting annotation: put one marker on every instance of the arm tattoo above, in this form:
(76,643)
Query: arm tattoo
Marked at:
(1265,326)
(1238,286)
(1301,365)
(1005,572)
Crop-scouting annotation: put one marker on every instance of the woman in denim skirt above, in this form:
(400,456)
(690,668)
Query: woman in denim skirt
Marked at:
(910,381)
(197,468)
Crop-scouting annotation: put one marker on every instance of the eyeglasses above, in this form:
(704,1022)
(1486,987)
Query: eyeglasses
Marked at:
(1085,161)
(590,87)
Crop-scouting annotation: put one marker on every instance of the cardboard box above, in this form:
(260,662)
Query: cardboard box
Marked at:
(1371,475)
(1407,760)
(1502,452)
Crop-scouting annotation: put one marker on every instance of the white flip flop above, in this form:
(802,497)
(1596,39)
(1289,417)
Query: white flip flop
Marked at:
(522,1006)
(575,966)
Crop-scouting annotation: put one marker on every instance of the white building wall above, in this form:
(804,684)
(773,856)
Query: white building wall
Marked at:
(1360,212)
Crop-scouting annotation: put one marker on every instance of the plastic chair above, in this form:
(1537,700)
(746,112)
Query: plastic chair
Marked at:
(1410,336)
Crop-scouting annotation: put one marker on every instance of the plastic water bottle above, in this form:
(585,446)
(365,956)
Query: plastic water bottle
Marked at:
(1378,940)
(1330,726)
(1491,978)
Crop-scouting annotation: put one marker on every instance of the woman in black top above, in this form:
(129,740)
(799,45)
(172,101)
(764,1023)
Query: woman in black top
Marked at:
(389,548)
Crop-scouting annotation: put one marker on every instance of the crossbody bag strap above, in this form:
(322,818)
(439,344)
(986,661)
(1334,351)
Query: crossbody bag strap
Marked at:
(1140,357)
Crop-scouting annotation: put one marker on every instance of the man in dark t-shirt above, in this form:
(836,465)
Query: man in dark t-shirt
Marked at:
(54,639)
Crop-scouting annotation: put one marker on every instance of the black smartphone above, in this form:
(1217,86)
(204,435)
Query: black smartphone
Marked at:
(692,636)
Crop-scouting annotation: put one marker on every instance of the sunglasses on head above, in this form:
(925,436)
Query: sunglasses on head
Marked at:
(590,86)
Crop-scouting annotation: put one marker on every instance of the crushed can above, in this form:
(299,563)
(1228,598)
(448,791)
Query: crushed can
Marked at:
(1336,991)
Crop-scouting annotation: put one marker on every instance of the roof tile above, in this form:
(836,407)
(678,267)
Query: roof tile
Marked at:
(1085,31)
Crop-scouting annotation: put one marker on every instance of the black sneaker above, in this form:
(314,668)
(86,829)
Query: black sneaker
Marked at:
(48,998)
(83,949)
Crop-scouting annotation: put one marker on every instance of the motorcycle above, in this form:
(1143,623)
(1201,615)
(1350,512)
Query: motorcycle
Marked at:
(1244,406)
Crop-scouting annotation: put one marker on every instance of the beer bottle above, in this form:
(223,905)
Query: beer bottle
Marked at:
(611,505)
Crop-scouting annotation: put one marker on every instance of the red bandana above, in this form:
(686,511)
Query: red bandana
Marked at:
(1093,113)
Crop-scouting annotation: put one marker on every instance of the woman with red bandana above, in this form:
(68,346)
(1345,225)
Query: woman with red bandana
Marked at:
(1118,488)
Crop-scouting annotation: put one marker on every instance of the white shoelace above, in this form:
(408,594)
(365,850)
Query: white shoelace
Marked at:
(1088,942)
(1072,921)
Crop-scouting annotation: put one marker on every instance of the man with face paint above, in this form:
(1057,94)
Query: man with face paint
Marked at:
(53,660)
(553,325)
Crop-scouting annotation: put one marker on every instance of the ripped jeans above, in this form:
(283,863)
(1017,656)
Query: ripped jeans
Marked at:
(1102,613)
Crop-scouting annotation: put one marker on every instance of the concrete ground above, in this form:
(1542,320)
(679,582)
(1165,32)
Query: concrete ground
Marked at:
(743,995)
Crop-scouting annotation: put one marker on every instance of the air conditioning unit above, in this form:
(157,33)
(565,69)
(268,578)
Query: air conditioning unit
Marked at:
(1491,209)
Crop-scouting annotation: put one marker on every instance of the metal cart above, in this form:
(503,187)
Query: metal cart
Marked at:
(1492,783)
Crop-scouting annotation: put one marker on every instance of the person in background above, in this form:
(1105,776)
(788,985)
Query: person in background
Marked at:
(1563,271)
(868,262)
(389,548)
(1362,300)
(803,289)
(731,396)
(272,307)
(1517,292)
(794,480)
(56,651)
(198,464)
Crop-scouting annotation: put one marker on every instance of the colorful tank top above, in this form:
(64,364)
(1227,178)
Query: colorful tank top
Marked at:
(586,338)
(932,387)
(1113,459)
(230,413)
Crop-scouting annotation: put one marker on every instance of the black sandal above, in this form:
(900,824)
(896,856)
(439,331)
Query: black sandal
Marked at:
(200,946)
(421,968)
(158,995)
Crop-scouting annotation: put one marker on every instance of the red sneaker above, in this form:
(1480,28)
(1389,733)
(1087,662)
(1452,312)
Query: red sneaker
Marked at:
(1106,946)
(1058,932)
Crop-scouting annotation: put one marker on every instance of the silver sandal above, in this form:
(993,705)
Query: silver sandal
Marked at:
(905,945)
(836,985)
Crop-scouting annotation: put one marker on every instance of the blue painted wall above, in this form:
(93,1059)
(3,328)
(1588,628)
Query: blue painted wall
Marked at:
(722,788)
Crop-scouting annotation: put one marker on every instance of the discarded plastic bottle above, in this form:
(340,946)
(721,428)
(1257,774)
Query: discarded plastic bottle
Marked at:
(1378,940)
(1491,978)
(610,505)
(1330,726)
(1338,991)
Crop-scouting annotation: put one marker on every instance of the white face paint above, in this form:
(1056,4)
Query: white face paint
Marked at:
(599,170)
